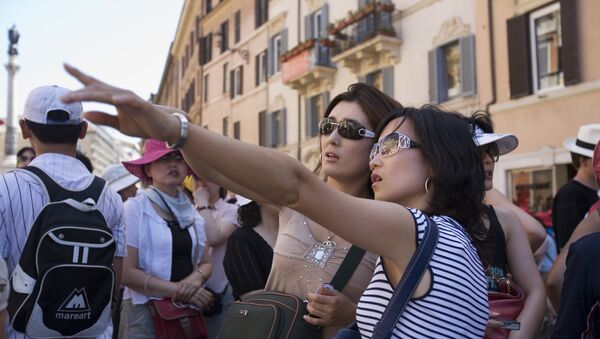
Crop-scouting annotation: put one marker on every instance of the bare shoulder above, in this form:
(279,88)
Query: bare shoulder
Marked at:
(508,220)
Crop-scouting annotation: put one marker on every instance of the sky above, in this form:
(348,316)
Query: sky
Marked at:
(122,42)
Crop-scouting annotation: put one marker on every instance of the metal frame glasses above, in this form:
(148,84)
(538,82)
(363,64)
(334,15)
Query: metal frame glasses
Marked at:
(346,128)
(391,144)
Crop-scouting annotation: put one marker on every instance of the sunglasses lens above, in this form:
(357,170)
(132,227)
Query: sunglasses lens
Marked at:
(374,151)
(389,144)
(326,126)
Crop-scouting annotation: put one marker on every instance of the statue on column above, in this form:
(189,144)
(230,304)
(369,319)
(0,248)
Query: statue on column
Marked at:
(13,38)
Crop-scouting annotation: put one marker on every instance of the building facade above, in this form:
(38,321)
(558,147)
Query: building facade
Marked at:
(263,71)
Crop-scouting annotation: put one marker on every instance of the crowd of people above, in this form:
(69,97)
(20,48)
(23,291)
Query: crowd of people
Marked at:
(388,176)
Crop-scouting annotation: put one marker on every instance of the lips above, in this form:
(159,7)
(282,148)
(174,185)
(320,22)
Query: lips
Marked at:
(375,178)
(331,156)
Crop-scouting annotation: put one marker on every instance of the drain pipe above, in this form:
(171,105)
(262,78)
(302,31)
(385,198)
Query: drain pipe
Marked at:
(492,54)
(299,152)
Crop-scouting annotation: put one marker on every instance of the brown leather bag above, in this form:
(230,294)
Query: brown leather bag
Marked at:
(174,321)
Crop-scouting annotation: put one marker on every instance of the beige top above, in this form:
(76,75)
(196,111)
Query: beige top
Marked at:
(301,263)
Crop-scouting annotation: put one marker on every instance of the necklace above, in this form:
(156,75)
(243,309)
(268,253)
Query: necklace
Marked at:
(319,253)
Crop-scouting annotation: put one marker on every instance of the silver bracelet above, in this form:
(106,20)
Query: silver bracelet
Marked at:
(183,131)
(148,276)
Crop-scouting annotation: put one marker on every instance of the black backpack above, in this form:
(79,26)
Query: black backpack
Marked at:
(63,284)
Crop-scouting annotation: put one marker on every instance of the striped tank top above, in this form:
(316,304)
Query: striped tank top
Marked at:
(456,305)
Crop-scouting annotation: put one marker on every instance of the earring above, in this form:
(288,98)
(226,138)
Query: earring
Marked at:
(427,184)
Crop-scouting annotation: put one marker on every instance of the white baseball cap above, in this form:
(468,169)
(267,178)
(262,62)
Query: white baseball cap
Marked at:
(505,142)
(118,177)
(587,138)
(44,99)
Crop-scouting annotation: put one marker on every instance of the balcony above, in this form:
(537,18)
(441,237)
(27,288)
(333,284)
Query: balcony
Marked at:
(307,67)
(365,40)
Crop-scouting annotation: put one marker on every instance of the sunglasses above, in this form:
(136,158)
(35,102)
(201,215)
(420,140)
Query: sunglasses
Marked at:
(346,128)
(177,157)
(392,143)
(491,150)
(24,158)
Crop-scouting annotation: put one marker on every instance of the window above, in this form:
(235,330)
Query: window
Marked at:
(205,54)
(382,79)
(206,84)
(237,82)
(226,126)
(189,98)
(315,110)
(224,36)
(452,70)
(225,77)
(208,6)
(278,128)
(236,130)
(277,46)
(260,62)
(238,28)
(316,28)
(261,12)
(545,47)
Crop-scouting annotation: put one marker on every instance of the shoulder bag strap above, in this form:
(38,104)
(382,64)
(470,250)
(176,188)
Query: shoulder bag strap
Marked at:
(347,268)
(407,285)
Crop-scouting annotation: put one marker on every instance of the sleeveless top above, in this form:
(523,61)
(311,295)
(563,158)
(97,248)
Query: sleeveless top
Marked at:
(456,305)
(495,261)
(297,271)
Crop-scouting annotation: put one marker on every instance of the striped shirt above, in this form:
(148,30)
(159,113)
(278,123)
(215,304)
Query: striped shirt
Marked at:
(22,198)
(455,306)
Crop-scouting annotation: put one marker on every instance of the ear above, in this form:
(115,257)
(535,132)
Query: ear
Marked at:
(146,169)
(84,127)
(25,131)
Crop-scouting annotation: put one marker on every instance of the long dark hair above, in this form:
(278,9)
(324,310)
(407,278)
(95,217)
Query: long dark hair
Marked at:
(249,215)
(374,103)
(457,170)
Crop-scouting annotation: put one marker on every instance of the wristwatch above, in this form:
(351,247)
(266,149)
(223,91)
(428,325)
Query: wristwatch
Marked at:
(183,131)
(202,208)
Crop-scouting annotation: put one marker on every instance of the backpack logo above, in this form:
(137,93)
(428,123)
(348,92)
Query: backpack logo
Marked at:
(75,307)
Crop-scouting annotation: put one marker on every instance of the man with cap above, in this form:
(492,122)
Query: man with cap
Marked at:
(575,198)
(53,128)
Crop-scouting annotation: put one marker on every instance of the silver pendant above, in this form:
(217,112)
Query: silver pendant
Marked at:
(318,254)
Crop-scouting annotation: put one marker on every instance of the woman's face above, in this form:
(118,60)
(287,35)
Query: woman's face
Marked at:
(168,171)
(25,158)
(400,177)
(488,169)
(345,159)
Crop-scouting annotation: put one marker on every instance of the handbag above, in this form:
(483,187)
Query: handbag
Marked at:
(174,321)
(406,287)
(508,302)
(278,315)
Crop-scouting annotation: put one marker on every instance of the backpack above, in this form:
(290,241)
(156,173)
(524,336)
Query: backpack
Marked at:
(63,283)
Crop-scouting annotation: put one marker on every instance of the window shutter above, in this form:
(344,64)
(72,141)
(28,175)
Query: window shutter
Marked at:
(325,104)
(256,69)
(271,130)
(256,13)
(262,128)
(231,84)
(238,28)
(284,41)
(468,79)
(519,60)
(324,21)
(570,44)
(265,61)
(308,132)
(202,54)
(209,45)
(388,80)
(270,57)
(241,80)
(308,27)
(284,127)
(434,70)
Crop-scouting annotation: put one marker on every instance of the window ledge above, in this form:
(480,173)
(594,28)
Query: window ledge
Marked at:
(545,96)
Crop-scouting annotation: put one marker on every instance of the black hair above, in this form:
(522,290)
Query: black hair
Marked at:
(457,169)
(249,215)
(374,103)
(55,134)
(85,160)
(25,149)
(483,120)
(576,160)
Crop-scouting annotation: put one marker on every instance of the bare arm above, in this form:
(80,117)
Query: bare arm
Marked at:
(526,275)
(137,279)
(554,282)
(273,175)
(534,230)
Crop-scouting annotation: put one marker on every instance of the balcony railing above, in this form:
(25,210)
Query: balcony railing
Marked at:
(307,67)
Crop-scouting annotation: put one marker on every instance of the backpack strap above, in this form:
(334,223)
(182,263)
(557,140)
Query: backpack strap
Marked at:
(347,267)
(58,193)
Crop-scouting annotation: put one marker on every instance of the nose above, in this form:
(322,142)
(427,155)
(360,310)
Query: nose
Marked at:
(333,137)
(375,162)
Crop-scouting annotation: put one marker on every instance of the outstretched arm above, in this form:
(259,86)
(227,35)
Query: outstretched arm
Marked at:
(271,174)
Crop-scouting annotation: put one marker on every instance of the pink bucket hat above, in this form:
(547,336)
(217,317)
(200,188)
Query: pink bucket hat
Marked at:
(153,150)
(596,163)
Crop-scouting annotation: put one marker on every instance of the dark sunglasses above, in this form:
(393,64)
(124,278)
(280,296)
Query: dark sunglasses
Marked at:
(346,128)
(24,158)
(171,156)
(392,143)
(491,150)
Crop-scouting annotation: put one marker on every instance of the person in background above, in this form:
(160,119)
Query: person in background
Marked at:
(575,198)
(165,242)
(24,156)
(220,222)
(507,251)
(124,183)
(249,251)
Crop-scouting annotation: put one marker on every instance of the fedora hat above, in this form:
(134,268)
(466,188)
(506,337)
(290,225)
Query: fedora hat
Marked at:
(153,150)
(587,138)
